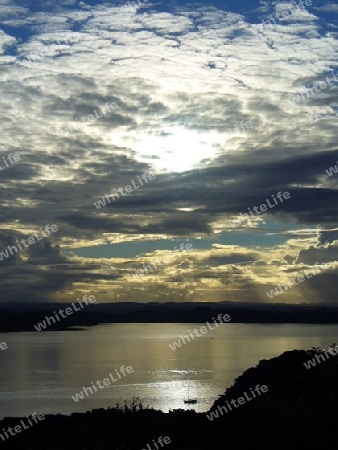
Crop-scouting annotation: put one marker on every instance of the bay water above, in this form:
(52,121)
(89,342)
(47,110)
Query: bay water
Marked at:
(41,371)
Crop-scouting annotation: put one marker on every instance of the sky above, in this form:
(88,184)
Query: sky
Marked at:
(198,112)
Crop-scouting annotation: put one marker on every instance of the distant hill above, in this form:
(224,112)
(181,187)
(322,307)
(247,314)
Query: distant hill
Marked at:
(23,316)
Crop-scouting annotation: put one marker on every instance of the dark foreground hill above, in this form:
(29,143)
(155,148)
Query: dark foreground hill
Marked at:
(299,410)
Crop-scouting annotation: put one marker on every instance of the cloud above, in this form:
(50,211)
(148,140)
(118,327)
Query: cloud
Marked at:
(44,253)
(326,236)
(330,7)
(323,254)
(184,80)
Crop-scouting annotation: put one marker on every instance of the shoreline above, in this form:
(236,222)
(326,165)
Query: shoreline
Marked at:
(87,327)
(296,397)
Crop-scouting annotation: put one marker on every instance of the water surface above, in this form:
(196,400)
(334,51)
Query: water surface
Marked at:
(39,372)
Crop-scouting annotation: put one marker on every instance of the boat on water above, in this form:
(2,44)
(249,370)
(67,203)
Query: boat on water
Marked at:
(190,400)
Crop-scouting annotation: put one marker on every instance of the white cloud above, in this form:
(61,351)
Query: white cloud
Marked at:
(183,81)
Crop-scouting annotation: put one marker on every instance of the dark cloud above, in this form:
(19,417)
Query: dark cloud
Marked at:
(326,236)
(44,253)
(191,76)
(322,254)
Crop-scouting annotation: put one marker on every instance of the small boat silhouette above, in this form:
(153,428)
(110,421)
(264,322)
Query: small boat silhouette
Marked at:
(190,400)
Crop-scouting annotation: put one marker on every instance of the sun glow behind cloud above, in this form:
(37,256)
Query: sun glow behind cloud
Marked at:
(184,81)
(175,149)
